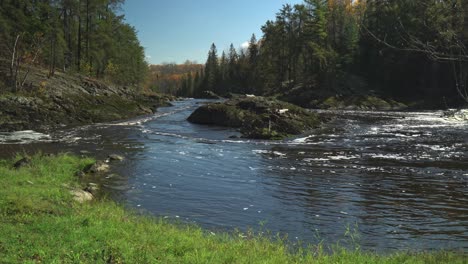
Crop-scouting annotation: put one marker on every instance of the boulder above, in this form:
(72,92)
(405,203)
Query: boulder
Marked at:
(257,117)
(81,196)
(222,114)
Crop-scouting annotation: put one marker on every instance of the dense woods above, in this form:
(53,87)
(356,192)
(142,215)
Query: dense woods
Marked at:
(405,49)
(75,36)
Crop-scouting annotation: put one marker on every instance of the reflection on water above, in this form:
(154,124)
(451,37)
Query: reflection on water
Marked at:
(402,178)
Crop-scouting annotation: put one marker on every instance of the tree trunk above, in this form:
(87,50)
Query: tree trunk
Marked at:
(78,62)
(87,30)
(14,65)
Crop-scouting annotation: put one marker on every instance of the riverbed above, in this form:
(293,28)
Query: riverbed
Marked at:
(398,179)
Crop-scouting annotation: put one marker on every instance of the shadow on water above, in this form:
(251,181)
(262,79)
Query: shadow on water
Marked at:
(402,178)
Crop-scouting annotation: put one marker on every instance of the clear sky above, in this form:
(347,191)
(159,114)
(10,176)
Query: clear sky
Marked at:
(179,30)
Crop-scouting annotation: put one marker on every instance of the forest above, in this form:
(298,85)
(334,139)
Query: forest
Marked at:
(89,37)
(337,135)
(410,50)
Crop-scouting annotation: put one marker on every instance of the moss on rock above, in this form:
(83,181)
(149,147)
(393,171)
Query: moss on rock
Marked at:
(360,103)
(257,117)
(71,100)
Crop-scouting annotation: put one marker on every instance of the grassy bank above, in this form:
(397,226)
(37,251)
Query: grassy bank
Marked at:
(40,223)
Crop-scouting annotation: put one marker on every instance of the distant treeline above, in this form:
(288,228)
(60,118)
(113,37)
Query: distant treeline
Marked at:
(408,49)
(175,79)
(84,36)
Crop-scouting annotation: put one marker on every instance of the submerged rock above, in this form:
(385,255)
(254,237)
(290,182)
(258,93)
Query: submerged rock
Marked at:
(257,117)
(115,157)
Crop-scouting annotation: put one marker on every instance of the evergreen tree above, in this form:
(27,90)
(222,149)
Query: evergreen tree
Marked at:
(232,69)
(253,53)
(87,36)
(212,70)
(223,69)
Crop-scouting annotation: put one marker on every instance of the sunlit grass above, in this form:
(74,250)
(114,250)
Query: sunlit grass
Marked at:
(40,223)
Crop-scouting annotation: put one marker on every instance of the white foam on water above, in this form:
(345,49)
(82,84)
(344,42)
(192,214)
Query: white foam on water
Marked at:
(70,139)
(435,147)
(341,157)
(301,140)
(315,159)
(147,119)
(387,156)
(277,153)
(23,137)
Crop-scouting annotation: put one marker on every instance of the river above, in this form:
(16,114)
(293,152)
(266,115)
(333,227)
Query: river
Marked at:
(399,178)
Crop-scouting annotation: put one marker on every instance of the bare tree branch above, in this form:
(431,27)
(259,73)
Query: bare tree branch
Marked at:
(416,45)
(38,48)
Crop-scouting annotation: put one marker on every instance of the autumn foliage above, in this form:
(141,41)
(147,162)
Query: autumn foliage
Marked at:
(171,78)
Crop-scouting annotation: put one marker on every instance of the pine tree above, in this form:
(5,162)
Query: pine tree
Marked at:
(212,70)
(233,58)
(253,54)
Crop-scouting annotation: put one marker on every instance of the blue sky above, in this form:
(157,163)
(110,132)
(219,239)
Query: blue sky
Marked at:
(177,30)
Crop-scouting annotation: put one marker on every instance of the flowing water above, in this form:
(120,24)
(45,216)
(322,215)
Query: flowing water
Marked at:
(400,178)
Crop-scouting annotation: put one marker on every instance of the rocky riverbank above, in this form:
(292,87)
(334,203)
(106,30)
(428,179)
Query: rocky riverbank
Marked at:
(344,100)
(257,117)
(71,100)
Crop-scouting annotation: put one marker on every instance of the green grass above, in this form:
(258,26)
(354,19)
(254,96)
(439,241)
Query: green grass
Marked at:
(40,223)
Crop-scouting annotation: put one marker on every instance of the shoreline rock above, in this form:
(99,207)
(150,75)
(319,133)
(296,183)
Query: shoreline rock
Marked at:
(72,100)
(115,157)
(209,95)
(360,103)
(24,162)
(456,115)
(310,97)
(98,167)
(81,196)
